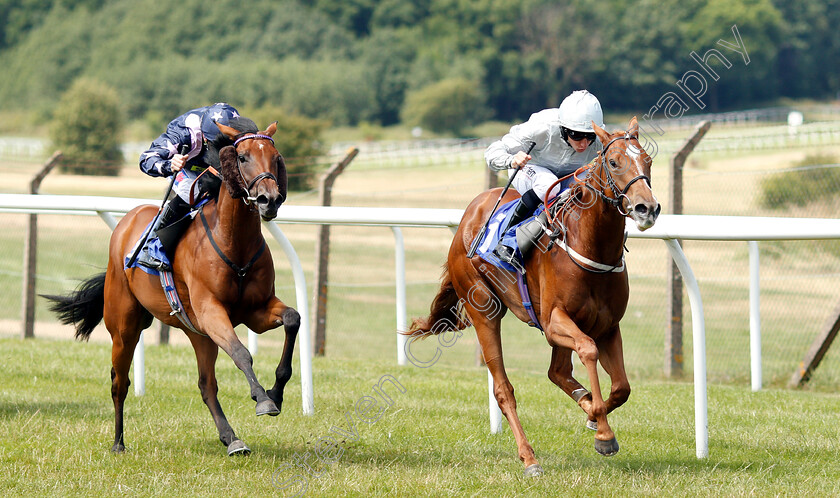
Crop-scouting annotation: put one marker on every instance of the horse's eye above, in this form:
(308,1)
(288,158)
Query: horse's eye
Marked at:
(242,158)
(612,163)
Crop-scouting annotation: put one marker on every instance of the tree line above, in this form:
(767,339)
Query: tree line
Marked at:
(406,61)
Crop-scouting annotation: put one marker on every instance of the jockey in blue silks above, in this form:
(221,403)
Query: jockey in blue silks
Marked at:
(193,130)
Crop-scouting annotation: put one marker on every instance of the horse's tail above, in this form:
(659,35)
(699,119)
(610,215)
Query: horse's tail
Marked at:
(445,314)
(82,307)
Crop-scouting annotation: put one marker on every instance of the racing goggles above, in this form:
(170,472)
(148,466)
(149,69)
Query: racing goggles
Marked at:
(580,135)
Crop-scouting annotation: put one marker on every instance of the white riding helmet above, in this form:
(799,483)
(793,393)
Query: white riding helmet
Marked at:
(579,110)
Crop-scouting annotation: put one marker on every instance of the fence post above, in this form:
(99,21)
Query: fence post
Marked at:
(30,254)
(322,253)
(673,330)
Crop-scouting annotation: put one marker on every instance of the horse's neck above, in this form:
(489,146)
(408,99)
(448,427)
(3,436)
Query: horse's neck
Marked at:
(237,227)
(596,229)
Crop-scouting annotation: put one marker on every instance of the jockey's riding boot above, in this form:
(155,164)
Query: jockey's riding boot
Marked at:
(168,229)
(523,209)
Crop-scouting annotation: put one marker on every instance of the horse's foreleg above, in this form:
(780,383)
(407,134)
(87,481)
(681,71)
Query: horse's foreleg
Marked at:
(215,322)
(206,352)
(274,315)
(291,320)
(563,332)
(560,373)
(612,359)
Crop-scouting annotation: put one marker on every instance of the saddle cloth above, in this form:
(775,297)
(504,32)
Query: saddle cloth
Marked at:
(492,236)
(154,247)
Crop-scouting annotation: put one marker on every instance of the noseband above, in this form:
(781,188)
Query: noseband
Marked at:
(616,202)
(257,179)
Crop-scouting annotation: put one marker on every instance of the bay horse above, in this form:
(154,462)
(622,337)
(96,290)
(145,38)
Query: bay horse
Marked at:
(578,300)
(218,287)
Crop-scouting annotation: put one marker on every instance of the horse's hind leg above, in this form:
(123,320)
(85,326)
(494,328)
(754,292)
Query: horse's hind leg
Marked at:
(488,330)
(124,325)
(206,352)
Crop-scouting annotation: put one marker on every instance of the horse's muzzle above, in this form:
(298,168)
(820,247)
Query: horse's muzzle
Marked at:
(267,207)
(645,214)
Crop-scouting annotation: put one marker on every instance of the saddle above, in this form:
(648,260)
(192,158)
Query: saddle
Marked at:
(522,237)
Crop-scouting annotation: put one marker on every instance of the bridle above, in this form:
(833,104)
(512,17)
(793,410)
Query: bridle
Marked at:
(241,272)
(558,235)
(248,198)
(616,202)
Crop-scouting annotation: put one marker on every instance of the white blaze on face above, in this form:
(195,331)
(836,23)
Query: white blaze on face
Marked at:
(635,155)
(261,146)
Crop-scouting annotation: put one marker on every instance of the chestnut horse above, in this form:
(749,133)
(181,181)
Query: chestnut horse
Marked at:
(578,300)
(215,297)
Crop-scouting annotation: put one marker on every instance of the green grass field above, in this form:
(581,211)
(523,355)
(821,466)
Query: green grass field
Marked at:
(57,419)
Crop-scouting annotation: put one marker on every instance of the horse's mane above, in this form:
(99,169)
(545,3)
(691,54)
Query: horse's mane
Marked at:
(211,154)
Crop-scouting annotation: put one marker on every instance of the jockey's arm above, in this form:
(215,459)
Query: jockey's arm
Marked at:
(162,158)
(511,151)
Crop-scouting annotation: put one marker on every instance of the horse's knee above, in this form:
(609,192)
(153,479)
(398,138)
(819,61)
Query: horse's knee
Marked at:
(283,373)
(504,394)
(208,387)
(587,351)
(291,320)
(240,355)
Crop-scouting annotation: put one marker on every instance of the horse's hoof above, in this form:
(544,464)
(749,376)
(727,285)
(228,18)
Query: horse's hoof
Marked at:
(592,425)
(276,397)
(606,448)
(267,407)
(238,448)
(534,470)
(118,448)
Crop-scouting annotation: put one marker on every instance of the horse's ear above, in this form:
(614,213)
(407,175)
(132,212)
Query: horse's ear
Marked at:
(228,163)
(633,128)
(602,134)
(229,132)
(271,130)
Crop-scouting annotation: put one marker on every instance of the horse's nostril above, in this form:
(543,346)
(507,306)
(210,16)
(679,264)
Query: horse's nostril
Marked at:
(641,209)
(262,199)
(658,210)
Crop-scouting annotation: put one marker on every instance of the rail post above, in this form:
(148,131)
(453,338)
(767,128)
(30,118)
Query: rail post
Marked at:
(673,330)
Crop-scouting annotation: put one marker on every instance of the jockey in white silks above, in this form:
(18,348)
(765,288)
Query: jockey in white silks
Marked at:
(560,141)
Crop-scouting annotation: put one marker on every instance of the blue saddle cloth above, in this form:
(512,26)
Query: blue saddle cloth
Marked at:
(492,236)
(154,247)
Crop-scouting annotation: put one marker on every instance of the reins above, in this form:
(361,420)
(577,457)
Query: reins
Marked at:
(241,271)
(558,235)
